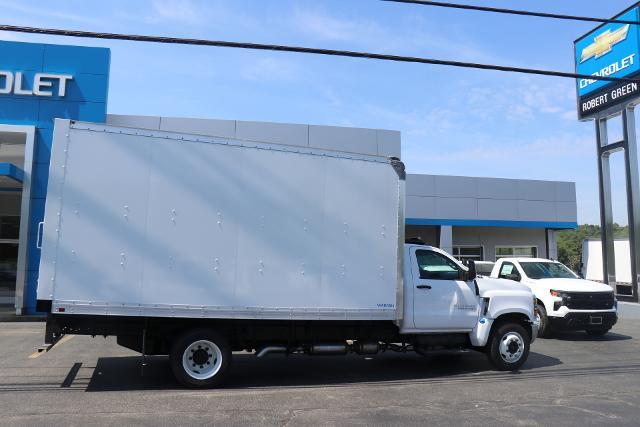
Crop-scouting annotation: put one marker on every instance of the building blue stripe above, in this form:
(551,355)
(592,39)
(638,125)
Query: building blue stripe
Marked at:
(491,223)
(11,171)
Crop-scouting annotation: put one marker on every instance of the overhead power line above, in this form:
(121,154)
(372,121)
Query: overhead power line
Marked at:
(514,12)
(308,50)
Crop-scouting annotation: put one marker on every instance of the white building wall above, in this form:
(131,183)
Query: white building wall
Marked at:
(552,244)
(446,238)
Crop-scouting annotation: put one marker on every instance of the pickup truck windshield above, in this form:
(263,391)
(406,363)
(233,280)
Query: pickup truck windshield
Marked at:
(547,270)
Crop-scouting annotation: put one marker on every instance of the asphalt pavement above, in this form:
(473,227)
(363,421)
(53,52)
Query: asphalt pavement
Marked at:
(570,379)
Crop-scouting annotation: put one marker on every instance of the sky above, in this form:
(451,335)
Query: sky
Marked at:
(453,121)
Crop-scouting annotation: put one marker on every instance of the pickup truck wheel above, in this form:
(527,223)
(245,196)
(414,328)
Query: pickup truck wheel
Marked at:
(508,347)
(597,332)
(541,314)
(200,358)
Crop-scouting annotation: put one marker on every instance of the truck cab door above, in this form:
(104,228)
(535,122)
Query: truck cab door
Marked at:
(509,271)
(442,299)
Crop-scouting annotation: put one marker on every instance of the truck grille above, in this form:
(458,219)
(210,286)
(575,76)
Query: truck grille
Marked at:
(589,300)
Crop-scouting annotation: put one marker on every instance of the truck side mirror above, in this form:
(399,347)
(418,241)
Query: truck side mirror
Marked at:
(471,274)
(581,271)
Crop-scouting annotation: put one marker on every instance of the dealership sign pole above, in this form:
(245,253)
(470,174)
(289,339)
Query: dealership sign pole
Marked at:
(613,50)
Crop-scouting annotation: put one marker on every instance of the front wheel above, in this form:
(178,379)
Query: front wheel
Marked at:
(200,358)
(541,314)
(508,347)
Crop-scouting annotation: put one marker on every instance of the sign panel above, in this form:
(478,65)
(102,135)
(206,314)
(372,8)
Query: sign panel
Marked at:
(611,50)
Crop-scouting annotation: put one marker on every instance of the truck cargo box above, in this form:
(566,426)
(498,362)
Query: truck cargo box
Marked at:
(150,223)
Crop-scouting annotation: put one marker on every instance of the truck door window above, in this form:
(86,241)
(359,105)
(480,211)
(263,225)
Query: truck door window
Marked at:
(434,266)
(508,271)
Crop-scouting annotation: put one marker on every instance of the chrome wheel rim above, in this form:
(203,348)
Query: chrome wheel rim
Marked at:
(202,359)
(512,347)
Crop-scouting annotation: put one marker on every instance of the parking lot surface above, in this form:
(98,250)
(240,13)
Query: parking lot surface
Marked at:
(570,379)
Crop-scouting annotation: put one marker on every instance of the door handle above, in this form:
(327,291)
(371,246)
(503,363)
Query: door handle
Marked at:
(39,232)
(423,286)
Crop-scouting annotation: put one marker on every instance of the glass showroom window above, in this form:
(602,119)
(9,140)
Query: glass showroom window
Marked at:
(9,227)
(516,251)
(465,253)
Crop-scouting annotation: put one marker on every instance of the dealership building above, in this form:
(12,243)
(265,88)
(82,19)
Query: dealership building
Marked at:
(472,218)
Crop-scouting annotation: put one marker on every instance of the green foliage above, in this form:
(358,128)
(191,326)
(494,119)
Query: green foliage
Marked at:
(570,242)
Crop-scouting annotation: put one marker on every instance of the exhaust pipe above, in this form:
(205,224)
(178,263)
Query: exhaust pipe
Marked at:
(328,349)
(366,348)
(272,349)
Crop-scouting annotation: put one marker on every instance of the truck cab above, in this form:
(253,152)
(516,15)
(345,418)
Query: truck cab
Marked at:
(445,299)
(564,301)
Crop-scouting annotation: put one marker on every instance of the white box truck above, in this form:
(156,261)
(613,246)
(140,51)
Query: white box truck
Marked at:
(592,264)
(196,247)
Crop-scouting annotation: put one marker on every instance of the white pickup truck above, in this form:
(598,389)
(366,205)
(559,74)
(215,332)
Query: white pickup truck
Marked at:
(564,301)
(197,247)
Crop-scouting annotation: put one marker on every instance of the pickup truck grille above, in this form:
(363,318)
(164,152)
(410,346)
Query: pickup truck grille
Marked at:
(589,300)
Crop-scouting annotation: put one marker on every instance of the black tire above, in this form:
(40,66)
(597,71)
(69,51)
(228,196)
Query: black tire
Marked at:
(544,329)
(597,332)
(517,342)
(203,349)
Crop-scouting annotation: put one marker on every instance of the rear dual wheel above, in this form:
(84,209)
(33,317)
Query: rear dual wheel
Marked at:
(200,358)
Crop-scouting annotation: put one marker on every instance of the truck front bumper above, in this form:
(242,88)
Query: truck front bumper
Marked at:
(582,320)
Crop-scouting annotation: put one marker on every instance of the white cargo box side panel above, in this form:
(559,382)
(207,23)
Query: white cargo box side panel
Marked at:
(49,237)
(95,216)
(360,234)
(191,233)
(279,246)
(167,224)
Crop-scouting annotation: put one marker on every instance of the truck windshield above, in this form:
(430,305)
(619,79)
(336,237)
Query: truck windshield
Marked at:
(547,270)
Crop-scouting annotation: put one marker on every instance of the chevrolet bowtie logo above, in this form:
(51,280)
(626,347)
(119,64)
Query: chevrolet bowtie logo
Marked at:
(604,43)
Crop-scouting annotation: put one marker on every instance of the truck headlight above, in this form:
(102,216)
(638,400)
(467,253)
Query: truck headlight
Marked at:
(559,299)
